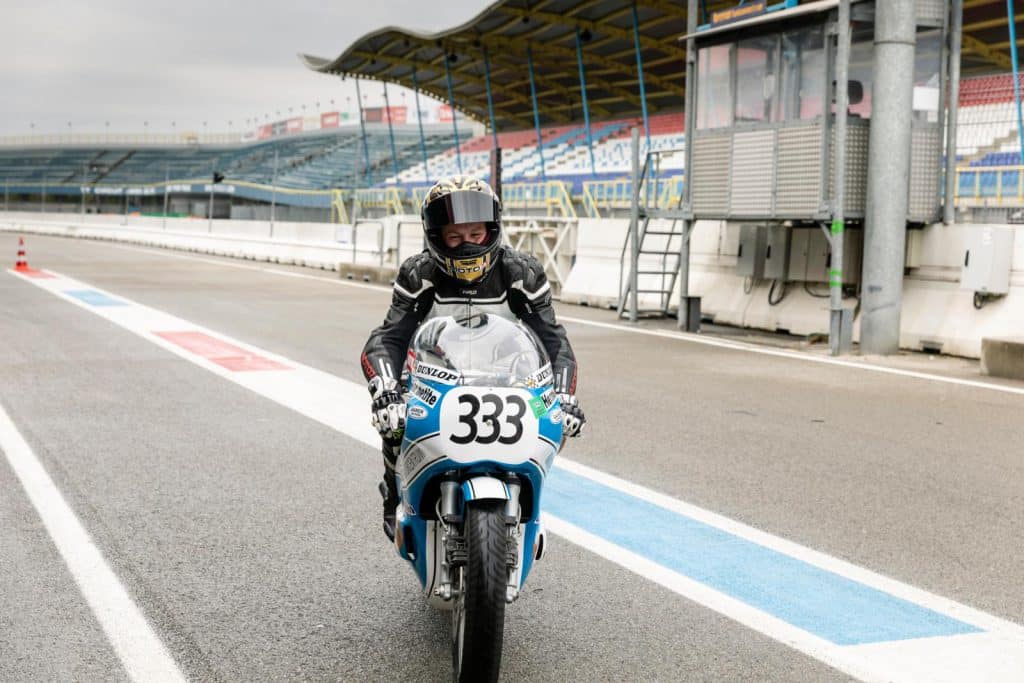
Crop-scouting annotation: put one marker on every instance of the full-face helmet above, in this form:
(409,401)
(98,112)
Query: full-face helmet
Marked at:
(458,200)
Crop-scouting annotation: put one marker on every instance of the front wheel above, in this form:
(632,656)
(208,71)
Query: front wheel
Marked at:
(478,620)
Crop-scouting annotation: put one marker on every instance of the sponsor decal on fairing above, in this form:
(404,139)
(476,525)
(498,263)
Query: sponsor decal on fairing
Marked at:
(436,373)
(424,393)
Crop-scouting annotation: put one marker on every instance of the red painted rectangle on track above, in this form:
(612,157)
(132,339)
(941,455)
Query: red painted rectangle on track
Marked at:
(32,272)
(222,353)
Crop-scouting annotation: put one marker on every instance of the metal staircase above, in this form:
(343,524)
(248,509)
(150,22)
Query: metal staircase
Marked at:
(657,220)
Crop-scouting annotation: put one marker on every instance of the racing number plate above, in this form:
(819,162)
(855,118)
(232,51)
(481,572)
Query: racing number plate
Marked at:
(488,424)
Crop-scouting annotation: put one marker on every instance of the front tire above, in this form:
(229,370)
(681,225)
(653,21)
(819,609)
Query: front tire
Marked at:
(478,621)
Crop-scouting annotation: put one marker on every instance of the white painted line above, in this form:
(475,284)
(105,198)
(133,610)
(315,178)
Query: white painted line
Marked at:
(664,334)
(736,346)
(821,560)
(143,655)
(996,654)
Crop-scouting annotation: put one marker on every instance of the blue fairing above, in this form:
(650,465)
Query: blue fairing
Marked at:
(424,461)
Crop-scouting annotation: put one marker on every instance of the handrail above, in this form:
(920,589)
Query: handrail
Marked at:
(388,198)
(990,184)
(601,195)
(552,196)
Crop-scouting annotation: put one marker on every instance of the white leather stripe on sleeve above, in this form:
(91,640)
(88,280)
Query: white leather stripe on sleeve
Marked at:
(427,284)
(518,284)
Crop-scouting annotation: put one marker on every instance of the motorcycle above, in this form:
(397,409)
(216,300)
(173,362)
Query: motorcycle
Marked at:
(483,427)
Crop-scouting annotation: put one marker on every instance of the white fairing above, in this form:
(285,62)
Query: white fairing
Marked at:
(484,488)
(510,438)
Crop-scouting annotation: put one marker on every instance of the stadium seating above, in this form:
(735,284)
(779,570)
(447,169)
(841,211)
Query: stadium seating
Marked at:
(565,153)
(987,137)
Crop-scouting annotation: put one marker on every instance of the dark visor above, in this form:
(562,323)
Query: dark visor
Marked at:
(463,206)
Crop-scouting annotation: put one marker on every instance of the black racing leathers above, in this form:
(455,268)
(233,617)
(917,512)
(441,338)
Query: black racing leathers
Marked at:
(514,287)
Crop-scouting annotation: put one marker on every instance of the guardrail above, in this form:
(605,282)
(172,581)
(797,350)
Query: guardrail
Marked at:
(601,196)
(990,186)
(551,196)
(389,199)
(328,199)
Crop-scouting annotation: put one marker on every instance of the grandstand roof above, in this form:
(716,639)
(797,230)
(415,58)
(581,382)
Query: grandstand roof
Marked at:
(549,27)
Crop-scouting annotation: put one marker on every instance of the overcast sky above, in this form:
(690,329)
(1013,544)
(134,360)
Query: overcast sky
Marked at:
(130,61)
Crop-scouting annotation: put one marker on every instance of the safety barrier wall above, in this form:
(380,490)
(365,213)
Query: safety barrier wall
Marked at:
(937,314)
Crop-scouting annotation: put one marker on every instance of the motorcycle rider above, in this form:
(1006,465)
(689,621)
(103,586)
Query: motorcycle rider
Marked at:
(464,262)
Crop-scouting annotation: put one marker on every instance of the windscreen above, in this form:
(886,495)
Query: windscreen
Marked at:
(481,349)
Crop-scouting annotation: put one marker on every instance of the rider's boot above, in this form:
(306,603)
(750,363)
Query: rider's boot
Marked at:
(389,491)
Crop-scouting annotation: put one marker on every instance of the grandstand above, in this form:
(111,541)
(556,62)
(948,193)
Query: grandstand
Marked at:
(319,160)
(315,160)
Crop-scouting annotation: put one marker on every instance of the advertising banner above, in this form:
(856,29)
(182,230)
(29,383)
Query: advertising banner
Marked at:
(445,114)
(373,114)
(294,125)
(278,128)
(330,119)
(396,114)
(264,132)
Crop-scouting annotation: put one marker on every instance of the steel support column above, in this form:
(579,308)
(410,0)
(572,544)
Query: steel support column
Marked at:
(640,75)
(536,112)
(490,98)
(167,191)
(362,131)
(419,120)
(586,108)
(836,236)
(451,103)
(885,222)
(1011,22)
(391,132)
(682,317)
(634,226)
(956,27)
(273,194)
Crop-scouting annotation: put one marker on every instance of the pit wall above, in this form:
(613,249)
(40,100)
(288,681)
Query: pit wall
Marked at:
(937,314)
(317,245)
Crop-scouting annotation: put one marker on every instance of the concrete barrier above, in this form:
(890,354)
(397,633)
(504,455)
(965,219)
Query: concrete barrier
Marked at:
(937,315)
(1003,357)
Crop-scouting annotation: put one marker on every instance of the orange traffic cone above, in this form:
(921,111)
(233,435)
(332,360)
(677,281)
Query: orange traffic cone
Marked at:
(21,263)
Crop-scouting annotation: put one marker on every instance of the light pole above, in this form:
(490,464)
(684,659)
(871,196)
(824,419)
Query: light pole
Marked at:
(167,189)
(213,178)
(273,195)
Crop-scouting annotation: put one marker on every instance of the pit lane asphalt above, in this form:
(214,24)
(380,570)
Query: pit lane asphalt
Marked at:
(249,535)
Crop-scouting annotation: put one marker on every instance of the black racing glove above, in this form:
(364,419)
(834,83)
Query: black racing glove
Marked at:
(388,408)
(573,419)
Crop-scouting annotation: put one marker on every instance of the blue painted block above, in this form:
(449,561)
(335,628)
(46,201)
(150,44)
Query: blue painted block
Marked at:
(820,602)
(94,298)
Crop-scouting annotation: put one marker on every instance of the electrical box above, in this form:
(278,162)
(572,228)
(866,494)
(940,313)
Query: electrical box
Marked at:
(987,260)
(799,242)
(819,256)
(753,243)
(776,253)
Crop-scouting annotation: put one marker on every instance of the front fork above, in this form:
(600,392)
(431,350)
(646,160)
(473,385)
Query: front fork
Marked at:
(452,541)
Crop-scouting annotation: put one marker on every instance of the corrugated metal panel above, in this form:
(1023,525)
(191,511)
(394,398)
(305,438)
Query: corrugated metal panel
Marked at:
(798,179)
(710,174)
(753,173)
(925,170)
(930,12)
(857,135)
